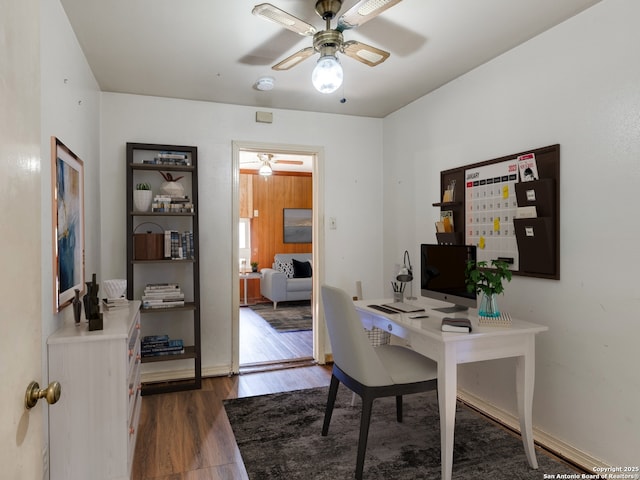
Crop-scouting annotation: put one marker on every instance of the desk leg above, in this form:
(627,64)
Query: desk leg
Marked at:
(245,292)
(525,374)
(447,393)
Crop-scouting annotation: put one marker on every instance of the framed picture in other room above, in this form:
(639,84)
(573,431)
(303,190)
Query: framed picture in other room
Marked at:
(297,225)
(67,187)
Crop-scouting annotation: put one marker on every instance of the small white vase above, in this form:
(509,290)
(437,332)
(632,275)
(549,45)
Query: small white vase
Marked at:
(174,189)
(142,200)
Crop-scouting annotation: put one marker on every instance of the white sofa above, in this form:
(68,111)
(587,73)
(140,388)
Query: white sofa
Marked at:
(279,283)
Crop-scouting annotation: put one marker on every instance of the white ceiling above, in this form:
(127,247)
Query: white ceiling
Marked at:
(215,50)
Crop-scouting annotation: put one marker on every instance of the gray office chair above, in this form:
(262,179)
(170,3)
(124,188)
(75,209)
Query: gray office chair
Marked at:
(371,372)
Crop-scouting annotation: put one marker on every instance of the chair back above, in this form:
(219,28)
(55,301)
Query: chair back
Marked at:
(351,349)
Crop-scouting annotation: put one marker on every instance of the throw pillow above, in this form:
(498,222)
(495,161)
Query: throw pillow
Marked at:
(301,269)
(285,267)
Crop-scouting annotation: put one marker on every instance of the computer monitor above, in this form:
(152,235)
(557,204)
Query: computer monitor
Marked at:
(443,275)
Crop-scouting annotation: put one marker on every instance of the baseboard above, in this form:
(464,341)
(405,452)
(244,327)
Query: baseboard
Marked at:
(580,459)
(169,375)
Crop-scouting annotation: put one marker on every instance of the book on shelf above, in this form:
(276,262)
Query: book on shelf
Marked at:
(162,303)
(163,347)
(450,324)
(169,158)
(154,339)
(158,354)
(172,294)
(187,245)
(171,244)
(114,303)
(178,246)
(163,203)
(161,287)
(172,155)
(162,296)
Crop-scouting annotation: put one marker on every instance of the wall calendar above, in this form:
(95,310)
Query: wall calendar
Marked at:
(490,208)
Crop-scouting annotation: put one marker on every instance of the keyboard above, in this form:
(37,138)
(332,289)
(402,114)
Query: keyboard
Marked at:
(383,309)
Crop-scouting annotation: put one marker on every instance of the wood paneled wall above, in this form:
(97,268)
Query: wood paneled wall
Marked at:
(268,196)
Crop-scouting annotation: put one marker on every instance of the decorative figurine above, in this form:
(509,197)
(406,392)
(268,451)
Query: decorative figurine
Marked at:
(77,306)
(92,305)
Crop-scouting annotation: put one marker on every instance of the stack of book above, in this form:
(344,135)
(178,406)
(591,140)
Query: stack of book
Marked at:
(114,303)
(178,245)
(156,345)
(169,158)
(450,324)
(162,295)
(163,203)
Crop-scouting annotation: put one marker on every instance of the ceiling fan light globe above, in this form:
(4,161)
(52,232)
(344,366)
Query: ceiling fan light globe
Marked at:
(327,75)
(265,170)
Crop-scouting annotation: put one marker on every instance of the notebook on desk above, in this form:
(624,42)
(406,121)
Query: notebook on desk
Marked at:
(403,307)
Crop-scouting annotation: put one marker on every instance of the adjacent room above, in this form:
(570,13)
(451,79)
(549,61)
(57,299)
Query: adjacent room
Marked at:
(275,210)
(175,169)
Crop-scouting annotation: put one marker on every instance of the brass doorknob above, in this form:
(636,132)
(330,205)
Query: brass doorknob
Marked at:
(33,394)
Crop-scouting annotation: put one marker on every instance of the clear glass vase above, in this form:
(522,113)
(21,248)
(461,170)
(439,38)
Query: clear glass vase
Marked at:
(488,306)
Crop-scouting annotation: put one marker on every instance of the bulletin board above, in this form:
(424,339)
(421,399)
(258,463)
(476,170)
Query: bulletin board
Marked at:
(485,208)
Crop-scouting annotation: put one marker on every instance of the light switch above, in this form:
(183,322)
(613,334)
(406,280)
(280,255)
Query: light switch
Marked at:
(332,223)
(255,213)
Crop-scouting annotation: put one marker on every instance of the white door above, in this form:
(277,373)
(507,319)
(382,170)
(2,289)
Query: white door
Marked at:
(21,431)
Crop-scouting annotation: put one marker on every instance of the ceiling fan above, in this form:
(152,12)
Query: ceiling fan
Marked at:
(327,75)
(266,162)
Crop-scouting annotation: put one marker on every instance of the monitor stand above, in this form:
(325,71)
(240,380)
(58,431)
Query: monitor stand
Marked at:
(453,309)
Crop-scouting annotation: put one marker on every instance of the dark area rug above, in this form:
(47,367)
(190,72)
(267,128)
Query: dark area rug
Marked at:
(279,438)
(288,317)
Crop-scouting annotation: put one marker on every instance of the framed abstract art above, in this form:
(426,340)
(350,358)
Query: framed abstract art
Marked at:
(297,224)
(67,187)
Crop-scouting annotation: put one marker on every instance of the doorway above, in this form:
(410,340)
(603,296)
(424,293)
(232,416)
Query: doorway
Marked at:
(256,343)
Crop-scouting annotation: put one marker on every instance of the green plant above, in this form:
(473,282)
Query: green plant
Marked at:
(482,278)
(143,186)
(254,264)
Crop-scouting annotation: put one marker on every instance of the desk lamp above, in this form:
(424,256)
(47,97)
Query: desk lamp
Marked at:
(406,274)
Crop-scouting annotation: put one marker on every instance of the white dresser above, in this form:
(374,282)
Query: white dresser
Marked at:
(93,427)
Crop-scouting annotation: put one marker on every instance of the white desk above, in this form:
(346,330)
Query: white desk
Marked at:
(246,276)
(451,349)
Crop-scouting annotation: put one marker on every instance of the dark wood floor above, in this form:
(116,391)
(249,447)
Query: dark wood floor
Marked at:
(259,343)
(187,436)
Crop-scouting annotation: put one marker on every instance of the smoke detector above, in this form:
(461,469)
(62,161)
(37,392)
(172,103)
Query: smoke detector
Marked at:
(265,84)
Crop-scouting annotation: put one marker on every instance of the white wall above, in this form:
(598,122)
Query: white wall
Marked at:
(576,85)
(353,191)
(70,112)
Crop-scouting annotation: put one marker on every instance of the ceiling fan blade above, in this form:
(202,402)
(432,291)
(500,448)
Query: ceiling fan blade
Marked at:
(289,162)
(284,19)
(293,60)
(364,53)
(362,12)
